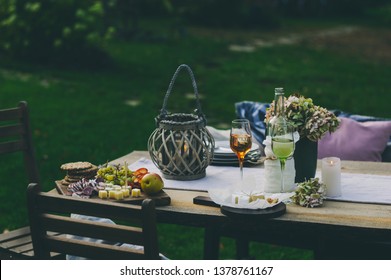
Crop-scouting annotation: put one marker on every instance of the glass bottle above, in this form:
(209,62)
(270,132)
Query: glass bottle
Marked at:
(279,112)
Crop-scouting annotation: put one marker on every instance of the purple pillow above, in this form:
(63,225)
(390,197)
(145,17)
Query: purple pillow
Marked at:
(364,141)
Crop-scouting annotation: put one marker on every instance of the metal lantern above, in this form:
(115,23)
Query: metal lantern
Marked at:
(181,145)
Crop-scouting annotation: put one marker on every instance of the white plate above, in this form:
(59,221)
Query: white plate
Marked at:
(223,148)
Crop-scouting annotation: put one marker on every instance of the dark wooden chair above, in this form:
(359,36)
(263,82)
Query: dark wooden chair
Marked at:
(15,136)
(51,212)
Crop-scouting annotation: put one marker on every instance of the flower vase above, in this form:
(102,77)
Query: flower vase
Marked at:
(306,156)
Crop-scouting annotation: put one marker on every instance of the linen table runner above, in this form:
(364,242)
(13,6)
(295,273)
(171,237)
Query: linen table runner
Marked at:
(366,188)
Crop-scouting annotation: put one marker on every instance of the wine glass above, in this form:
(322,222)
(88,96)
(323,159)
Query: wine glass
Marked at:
(283,144)
(240,140)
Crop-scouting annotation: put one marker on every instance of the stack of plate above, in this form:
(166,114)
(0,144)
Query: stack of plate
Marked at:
(223,155)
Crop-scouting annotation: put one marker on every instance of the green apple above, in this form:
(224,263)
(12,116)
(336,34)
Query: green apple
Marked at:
(152,183)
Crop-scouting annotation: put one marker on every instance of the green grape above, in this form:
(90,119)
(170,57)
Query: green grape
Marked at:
(117,175)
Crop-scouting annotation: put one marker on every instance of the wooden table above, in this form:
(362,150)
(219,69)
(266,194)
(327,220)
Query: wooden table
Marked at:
(338,230)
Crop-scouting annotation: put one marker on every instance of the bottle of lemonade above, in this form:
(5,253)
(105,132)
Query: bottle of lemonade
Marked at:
(272,175)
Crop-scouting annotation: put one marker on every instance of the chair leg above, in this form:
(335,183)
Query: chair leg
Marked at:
(242,249)
(211,243)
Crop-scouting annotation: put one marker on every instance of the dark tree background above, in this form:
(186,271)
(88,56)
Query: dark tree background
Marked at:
(73,32)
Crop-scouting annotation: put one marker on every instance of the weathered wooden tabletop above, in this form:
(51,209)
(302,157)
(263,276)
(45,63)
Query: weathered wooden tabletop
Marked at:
(359,228)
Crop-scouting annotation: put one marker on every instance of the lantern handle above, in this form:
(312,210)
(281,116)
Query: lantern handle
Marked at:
(198,111)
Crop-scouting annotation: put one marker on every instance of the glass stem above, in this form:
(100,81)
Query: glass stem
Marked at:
(282,174)
(241,169)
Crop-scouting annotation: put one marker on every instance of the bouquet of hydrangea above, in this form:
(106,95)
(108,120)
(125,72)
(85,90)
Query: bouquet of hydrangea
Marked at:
(310,193)
(310,120)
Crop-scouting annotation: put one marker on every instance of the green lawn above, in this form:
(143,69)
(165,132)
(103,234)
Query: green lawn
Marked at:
(87,115)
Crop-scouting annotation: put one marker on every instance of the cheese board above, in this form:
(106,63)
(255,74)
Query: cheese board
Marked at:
(161,198)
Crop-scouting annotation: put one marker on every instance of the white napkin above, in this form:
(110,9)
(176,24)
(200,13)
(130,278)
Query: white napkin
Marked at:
(227,197)
(272,176)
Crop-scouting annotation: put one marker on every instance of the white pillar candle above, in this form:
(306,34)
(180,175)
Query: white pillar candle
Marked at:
(331,176)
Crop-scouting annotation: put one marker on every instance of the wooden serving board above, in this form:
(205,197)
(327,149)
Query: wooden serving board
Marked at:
(161,198)
(260,214)
(239,213)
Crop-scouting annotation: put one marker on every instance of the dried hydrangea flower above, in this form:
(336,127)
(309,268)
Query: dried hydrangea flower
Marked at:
(310,193)
(310,120)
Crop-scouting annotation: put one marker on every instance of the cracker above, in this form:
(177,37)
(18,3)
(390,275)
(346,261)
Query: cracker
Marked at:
(92,169)
(79,165)
(64,182)
(79,177)
(71,179)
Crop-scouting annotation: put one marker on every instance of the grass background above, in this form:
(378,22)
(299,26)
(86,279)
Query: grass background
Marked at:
(90,115)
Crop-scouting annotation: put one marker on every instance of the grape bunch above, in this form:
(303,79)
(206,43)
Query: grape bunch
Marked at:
(121,175)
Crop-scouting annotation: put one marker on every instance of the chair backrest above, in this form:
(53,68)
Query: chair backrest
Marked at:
(15,136)
(51,212)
